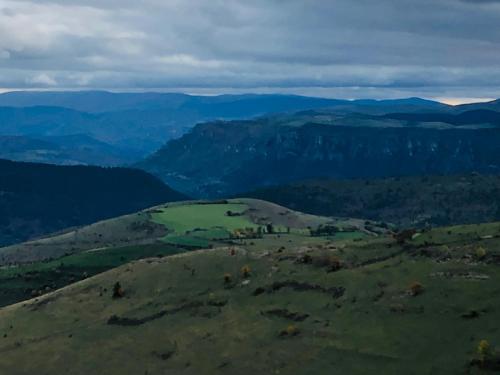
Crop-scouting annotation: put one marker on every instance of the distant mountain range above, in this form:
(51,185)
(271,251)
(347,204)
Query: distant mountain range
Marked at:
(36,199)
(133,125)
(204,147)
(75,149)
(219,105)
(221,158)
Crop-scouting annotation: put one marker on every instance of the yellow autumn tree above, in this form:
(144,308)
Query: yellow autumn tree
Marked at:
(483,350)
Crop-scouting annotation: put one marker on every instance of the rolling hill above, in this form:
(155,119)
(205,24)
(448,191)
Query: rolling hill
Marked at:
(362,307)
(405,201)
(60,259)
(37,199)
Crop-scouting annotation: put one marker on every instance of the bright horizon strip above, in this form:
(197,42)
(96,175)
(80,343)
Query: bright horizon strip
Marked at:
(458,101)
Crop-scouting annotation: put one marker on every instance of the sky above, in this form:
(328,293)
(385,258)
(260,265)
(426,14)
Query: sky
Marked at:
(443,49)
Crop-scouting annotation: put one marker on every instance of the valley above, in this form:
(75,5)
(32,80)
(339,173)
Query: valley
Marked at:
(249,187)
(339,236)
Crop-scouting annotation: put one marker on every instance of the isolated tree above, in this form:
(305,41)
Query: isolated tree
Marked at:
(270,228)
(480,252)
(118,290)
(483,350)
(415,288)
(245,272)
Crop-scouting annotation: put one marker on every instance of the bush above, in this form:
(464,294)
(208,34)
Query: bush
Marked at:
(331,262)
(245,271)
(290,331)
(483,350)
(118,290)
(404,236)
(415,289)
(480,252)
(324,230)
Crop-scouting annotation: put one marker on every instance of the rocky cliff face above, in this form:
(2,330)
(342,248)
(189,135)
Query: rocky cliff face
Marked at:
(230,157)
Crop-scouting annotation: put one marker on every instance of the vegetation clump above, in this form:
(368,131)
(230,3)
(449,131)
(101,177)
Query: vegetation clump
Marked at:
(332,263)
(415,289)
(404,236)
(118,291)
(227,278)
(487,358)
(290,331)
(480,252)
(324,230)
(245,272)
(483,350)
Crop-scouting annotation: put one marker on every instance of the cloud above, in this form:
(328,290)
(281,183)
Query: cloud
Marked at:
(42,80)
(338,47)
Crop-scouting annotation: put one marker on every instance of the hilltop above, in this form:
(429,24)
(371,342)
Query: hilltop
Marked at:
(33,267)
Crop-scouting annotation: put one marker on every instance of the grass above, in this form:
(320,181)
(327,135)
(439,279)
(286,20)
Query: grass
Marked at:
(163,231)
(186,218)
(197,225)
(211,327)
(18,282)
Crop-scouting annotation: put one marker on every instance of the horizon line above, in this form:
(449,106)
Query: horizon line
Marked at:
(448,100)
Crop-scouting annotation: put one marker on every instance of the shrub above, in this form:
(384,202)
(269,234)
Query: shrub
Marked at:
(480,252)
(270,228)
(324,230)
(404,236)
(334,264)
(245,271)
(415,288)
(331,262)
(290,331)
(118,290)
(483,350)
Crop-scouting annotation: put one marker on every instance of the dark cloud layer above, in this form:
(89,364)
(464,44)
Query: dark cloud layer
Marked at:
(447,48)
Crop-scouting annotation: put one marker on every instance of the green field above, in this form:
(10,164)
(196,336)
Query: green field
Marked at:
(198,223)
(184,218)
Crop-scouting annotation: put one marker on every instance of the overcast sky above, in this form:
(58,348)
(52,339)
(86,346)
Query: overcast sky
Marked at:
(336,48)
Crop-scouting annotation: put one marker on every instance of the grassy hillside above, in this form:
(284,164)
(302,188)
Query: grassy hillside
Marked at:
(37,267)
(419,306)
(405,201)
(36,199)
